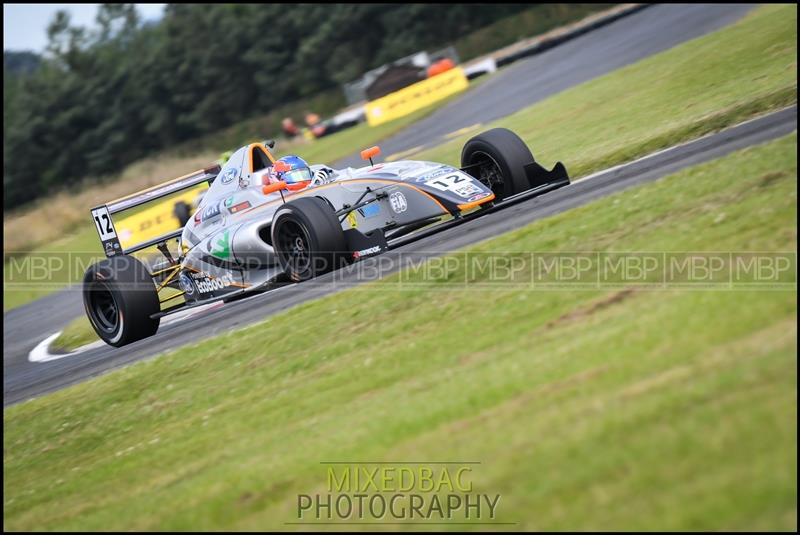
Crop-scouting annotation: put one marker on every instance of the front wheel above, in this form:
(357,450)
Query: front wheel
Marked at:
(308,238)
(498,158)
(119,297)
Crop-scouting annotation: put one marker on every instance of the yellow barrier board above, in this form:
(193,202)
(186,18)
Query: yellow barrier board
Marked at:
(416,96)
(155,220)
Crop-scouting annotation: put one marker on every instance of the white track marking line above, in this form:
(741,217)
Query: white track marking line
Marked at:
(676,147)
(41,353)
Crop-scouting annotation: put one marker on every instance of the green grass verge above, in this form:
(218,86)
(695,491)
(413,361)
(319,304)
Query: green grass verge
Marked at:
(78,333)
(49,268)
(588,409)
(690,90)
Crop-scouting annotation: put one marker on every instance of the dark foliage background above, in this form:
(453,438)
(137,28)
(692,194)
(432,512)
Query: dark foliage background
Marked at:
(105,96)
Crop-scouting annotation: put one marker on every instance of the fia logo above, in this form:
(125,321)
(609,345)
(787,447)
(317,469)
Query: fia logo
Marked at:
(398,202)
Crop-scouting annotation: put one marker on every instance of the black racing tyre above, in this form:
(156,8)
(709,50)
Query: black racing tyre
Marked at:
(498,157)
(119,297)
(308,238)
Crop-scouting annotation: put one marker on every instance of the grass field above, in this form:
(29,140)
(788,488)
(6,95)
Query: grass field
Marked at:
(690,90)
(626,408)
(676,95)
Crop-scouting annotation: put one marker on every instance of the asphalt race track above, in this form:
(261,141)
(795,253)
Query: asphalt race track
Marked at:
(530,80)
(526,81)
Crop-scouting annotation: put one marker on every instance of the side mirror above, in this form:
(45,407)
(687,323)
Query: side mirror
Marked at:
(275,186)
(270,143)
(368,154)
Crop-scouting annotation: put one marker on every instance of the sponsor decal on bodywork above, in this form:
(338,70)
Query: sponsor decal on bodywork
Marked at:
(206,283)
(398,202)
(479,196)
(229,175)
(239,207)
(467,189)
(370,251)
(370,210)
(433,174)
(219,246)
(209,285)
(457,182)
(211,212)
(186,284)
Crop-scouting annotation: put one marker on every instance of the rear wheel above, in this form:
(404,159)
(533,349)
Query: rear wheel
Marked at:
(119,297)
(308,238)
(498,158)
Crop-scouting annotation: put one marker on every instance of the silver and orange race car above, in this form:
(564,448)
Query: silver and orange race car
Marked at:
(250,230)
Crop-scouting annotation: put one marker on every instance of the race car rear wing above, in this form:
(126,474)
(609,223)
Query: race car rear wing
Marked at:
(104,223)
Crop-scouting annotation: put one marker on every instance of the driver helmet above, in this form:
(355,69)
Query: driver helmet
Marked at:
(297,176)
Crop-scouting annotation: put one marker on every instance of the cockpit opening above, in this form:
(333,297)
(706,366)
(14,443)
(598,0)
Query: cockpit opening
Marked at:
(260,159)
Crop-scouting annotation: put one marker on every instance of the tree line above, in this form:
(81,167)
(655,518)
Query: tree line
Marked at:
(102,97)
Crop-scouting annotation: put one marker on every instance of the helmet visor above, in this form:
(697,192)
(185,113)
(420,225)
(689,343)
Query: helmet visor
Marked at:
(297,175)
